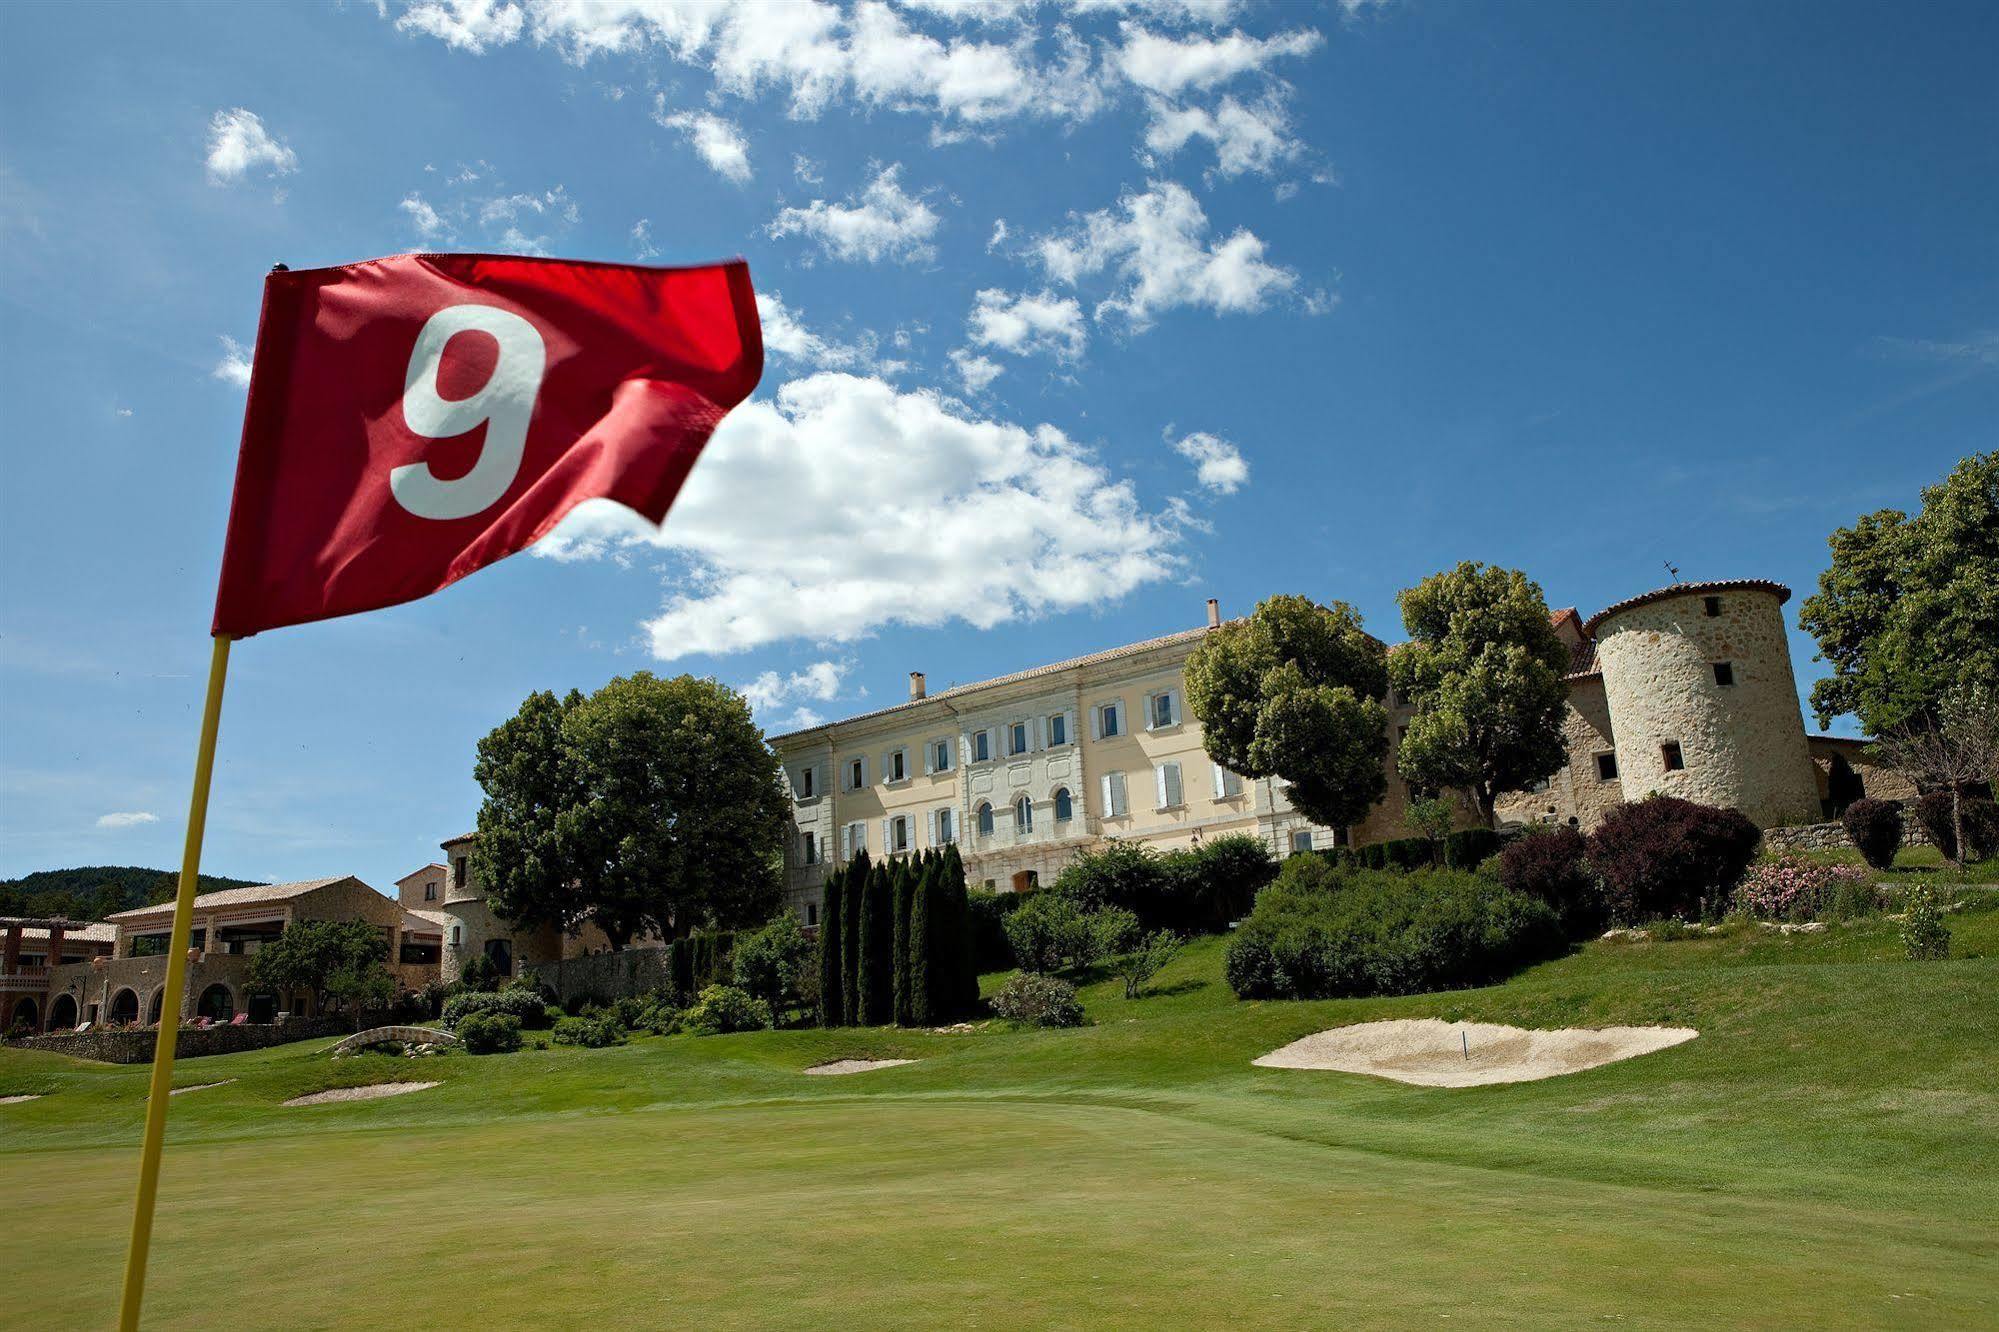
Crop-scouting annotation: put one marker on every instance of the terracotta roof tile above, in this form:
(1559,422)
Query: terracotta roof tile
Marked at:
(228,897)
(1782,593)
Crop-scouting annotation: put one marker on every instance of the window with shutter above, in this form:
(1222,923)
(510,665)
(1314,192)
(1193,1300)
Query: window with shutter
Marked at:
(945,831)
(985,820)
(1017,738)
(1023,815)
(982,746)
(1168,775)
(1115,805)
(1065,808)
(1058,730)
(811,849)
(1107,721)
(1228,785)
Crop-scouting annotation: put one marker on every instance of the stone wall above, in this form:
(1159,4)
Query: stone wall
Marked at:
(604,976)
(1831,836)
(135,1045)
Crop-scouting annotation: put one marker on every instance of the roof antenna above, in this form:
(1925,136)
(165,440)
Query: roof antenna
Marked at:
(1674,570)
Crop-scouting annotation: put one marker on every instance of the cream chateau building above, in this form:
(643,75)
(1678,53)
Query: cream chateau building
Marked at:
(1686,690)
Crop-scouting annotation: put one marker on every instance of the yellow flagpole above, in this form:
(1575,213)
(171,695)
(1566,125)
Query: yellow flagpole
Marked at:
(163,1047)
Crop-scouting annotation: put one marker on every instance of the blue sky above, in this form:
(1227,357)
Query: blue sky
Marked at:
(1315,298)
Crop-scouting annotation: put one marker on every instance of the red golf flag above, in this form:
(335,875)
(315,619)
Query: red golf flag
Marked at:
(416,418)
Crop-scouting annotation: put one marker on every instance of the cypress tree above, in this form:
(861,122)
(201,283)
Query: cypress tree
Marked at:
(964,968)
(904,885)
(922,1005)
(850,943)
(680,960)
(877,978)
(831,1009)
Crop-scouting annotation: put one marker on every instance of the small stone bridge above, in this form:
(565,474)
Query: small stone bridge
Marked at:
(361,1040)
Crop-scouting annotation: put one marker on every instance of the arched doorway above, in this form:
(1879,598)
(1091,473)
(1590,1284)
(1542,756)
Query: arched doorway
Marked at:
(125,1007)
(217,1003)
(62,1013)
(26,1014)
(153,1007)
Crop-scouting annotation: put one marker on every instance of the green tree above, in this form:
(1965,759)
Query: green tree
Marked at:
(923,1006)
(1483,669)
(769,963)
(650,805)
(341,963)
(1431,820)
(1295,691)
(877,974)
(850,942)
(1909,607)
(832,1007)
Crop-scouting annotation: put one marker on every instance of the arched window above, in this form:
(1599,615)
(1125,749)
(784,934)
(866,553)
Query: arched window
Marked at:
(217,1004)
(1065,808)
(985,820)
(62,1013)
(1023,815)
(125,1006)
(153,1007)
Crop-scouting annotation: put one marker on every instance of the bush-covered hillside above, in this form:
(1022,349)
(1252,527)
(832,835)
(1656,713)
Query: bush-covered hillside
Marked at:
(95,891)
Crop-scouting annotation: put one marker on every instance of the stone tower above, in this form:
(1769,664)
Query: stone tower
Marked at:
(1703,703)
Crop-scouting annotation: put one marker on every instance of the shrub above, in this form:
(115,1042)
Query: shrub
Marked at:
(1310,871)
(724,1008)
(1875,827)
(657,1014)
(831,1007)
(771,962)
(1924,931)
(1049,932)
(1387,934)
(593,1030)
(1552,864)
(1981,829)
(1038,1001)
(1121,874)
(1663,856)
(1203,888)
(1143,958)
(477,972)
(1934,817)
(1407,853)
(490,1033)
(524,1005)
(988,911)
(1468,848)
(1851,899)
(1795,889)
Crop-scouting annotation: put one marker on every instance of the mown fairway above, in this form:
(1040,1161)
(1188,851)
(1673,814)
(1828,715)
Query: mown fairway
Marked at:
(1821,1155)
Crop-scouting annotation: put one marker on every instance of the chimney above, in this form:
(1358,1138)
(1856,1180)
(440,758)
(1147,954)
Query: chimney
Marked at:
(915,685)
(1214,613)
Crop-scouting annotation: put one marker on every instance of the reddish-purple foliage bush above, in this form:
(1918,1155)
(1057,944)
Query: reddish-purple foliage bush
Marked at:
(1664,856)
(1875,826)
(1553,865)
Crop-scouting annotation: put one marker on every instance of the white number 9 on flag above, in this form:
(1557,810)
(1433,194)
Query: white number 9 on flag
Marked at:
(505,405)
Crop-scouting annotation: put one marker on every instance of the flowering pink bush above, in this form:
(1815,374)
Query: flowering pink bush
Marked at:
(1792,889)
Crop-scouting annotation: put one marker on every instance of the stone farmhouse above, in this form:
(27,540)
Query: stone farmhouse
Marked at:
(115,971)
(1687,690)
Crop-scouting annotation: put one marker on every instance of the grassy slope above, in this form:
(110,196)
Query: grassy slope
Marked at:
(1821,1153)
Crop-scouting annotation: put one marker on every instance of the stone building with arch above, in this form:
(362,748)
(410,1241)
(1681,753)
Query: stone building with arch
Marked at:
(123,983)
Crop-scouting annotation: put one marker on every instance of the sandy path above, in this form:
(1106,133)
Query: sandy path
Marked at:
(1431,1053)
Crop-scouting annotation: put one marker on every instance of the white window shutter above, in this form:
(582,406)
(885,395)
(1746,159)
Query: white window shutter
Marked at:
(1097,724)
(1034,732)
(1171,773)
(846,843)
(1173,705)
(1109,807)
(1122,796)
(888,843)
(930,829)
(1159,783)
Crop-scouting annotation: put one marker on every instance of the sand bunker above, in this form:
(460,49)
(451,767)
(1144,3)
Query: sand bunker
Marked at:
(840,1066)
(1431,1053)
(201,1086)
(369,1093)
(16,1100)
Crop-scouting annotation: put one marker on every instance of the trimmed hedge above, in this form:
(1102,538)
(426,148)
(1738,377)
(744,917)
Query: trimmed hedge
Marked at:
(524,1005)
(1875,827)
(1387,933)
(490,1033)
(1933,814)
(1664,856)
(1038,1001)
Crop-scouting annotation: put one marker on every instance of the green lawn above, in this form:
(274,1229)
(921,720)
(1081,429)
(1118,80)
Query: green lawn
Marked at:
(1822,1154)
(1916,864)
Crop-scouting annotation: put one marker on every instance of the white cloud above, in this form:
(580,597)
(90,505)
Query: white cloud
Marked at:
(1218,465)
(820,682)
(1026,324)
(716,141)
(127,819)
(999,235)
(428,222)
(813,51)
(805,169)
(1172,65)
(894,508)
(1246,138)
(884,223)
(785,335)
(642,246)
(234,367)
(469,25)
(976,372)
(238,144)
(1156,243)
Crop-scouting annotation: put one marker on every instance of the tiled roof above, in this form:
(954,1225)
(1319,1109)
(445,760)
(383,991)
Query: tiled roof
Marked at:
(1778,590)
(1055,668)
(461,837)
(96,931)
(423,869)
(424,921)
(229,897)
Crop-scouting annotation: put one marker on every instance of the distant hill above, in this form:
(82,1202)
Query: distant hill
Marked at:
(95,891)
